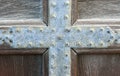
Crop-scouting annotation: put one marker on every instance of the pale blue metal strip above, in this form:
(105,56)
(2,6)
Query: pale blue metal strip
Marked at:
(91,37)
(77,37)
(59,18)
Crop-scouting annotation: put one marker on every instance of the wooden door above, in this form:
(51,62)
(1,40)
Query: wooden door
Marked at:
(35,61)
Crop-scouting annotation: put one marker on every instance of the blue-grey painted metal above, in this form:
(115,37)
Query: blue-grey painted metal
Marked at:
(75,37)
(59,37)
(59,55)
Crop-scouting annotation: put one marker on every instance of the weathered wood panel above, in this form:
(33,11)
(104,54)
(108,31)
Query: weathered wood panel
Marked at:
(20,9)
(104,9)
(21,65)
(99,65)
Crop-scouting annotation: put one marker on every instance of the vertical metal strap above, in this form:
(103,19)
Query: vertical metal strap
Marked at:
(59,54)
(59,13)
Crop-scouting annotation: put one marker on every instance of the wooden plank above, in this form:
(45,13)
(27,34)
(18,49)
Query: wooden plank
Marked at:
(74,11)
(21,65)
(74,63)
(99,9)
(98,51)
(99,65)
(20,9)
(21,51)
(45,64)
(45,11)
(113,23)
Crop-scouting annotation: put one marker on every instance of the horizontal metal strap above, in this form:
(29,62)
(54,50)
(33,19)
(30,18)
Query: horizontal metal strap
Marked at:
(77,37)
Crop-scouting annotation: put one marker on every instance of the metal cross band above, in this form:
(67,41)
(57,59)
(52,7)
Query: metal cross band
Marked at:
(59,36)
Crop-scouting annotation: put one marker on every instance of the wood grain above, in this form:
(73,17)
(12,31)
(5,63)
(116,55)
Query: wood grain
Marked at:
(99,9)
(99,65)
(74,64)
(20,9)
(20,65)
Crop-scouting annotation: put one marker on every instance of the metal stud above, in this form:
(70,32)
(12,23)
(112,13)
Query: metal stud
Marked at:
(41,43)
(90,43)
(92,30)
(66,44)
(60,37)
(18,44)
(67,29)
(53,16)
(101,29)
(66,16)
(41,29)
(53,43)
(79,44)
(78,29)
(53,67)
(66,54)
(53,4)
(30,43)
(18,29)
(65,66)
(53,56)
(101,43)
(53,30)
(67,3)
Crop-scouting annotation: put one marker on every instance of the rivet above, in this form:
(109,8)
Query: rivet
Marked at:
(10,41)
(66,16)
(66,54)
(78,29)
(53,16)
(18,30)
(66,44)
(53,67)
(53,29)
(67,3)
(41,43)
(108,32)
(65,66)
(79,43)
(101,43)
(53,4)
(30,43)
(116,40)
(109,41)
(101,29)
(90,43)
(53,56)
(92,29)
(60,37)
(67,29)
(18,44)
(111,37)
(41,29)
(53,43)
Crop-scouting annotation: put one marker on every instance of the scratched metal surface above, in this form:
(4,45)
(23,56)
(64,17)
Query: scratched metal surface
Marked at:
(104,9)
(20,9)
